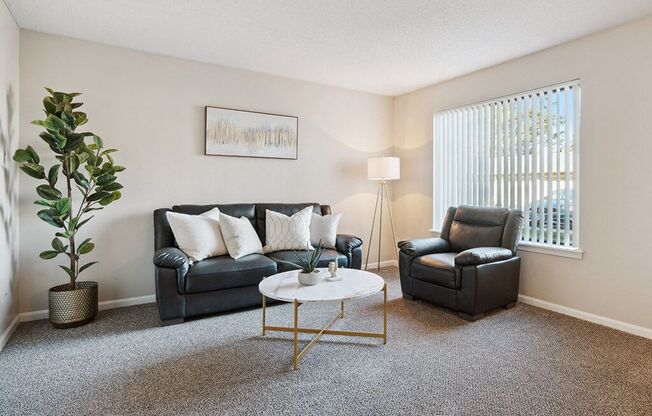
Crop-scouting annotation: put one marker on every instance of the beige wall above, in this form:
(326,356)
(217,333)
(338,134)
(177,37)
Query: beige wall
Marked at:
(614,279)
(8,172)
(152,108)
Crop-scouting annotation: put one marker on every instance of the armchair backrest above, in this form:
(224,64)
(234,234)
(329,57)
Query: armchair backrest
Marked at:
(468,227)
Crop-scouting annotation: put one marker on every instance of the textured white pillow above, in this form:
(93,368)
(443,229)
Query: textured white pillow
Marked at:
(240,237)
(198,236)
(324,229)
(287,233)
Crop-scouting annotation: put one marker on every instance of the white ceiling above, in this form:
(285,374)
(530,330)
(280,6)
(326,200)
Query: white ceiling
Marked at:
(386,47)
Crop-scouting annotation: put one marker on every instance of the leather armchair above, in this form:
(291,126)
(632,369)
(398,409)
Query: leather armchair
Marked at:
(471,268)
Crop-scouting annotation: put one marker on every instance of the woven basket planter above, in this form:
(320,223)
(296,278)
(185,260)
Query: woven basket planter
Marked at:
(71,307)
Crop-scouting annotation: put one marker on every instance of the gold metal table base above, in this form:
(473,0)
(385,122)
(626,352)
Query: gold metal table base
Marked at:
(298,355)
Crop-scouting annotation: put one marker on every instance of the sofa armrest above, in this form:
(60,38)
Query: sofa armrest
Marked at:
(345,243)
(349,245)
(173,258)
(422,246)
(482,255)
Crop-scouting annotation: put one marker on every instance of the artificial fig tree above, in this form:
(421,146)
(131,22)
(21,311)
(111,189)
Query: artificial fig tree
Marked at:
(89,178)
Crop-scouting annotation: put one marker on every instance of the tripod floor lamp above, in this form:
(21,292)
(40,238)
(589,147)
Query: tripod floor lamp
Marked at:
(382,169)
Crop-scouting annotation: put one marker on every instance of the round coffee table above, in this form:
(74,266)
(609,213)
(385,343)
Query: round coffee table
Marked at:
(353,284)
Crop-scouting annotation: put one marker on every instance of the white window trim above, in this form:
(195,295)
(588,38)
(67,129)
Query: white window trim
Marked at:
(530,247)
(574,252)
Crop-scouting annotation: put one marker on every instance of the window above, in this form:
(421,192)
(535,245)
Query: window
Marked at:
(519,151)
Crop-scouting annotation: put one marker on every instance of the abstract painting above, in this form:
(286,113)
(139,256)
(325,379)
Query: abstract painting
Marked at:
(250,134)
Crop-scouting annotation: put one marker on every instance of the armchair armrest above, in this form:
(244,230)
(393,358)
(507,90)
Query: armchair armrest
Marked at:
(345,243)
(421,246)
(482,255)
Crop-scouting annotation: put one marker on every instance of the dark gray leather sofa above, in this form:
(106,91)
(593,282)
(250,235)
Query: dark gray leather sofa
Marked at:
(221,283)
(471,268)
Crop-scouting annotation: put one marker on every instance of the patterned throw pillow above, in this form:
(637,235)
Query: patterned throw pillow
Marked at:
(324,229)
(287,233)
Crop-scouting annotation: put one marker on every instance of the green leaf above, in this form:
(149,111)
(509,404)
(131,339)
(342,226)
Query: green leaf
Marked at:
(75,140)
(97,196)
(33,153)
(48,192)
(69,119)
(65,234)
(98,142)
(112,187)
(58,245)
(63,206)
(86,266)
(50,106)
(54,123)
(44,203)
(47,216)
(80,179)
(105,180)
(113,197)
(33,170)
(86,247)
(47,255)
(53,175)
(118,168)
(22,156)
(48,138)
(70,272)
(50,90)
(85,221)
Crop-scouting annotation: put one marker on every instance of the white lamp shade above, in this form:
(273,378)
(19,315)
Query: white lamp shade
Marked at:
(387,168)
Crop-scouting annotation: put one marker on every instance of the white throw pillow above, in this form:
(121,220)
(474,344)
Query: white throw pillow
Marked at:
(324,229)
(198,236)
(287,233)
(240,237)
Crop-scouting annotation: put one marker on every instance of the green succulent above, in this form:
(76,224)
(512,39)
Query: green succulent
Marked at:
(89,174)
(309,263)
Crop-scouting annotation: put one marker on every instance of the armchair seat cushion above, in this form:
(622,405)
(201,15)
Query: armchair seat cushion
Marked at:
(224,272)
(327,256)
(438,269)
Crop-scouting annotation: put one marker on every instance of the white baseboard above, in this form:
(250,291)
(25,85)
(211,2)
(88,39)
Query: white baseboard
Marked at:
(107,304)
(586,316)
(9,331)
(384,263)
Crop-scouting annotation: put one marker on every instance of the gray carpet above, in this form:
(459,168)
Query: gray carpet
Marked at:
(518,362)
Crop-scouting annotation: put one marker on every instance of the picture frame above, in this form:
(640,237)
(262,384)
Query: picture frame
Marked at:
(243,133)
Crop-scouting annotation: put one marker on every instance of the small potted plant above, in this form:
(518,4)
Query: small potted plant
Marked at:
(308,274)
(89,184)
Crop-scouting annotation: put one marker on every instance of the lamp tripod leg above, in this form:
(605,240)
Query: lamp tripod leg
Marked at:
(371,233)
(391,220)
(380,222)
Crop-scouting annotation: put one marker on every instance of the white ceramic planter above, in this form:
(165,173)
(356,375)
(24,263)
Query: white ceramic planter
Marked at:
(309,279)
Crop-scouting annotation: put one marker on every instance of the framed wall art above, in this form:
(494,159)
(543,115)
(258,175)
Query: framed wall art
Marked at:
(231,132)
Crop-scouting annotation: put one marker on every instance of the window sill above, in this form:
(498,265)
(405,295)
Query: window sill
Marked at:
(568,252)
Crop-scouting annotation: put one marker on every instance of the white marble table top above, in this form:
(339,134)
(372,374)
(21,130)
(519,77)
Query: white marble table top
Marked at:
(354,284)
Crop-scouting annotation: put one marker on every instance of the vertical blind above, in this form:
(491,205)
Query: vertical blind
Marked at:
(519,151)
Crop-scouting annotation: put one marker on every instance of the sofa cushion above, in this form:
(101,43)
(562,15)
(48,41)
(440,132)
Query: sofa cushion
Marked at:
(327,256)
(437,268)
(224,272)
